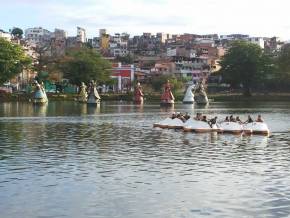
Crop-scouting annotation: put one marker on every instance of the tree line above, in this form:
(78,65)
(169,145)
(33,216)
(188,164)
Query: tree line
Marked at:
(245,65)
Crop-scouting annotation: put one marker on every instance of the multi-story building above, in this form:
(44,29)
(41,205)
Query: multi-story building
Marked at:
(164,67)
(163,37)
(59,34)
(95,43)
(180,51)
(38,36)
(81,35)
(5,35)
(273,44)
(73,42)
(58,43)
(118,45)
(105,44)
(258,41)
(193,68)
(234,37)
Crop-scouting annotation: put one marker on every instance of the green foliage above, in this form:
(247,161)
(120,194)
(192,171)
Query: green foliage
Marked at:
(84,64)
(17,32)
(283,64)
(158,82)
(245,64)
(12,60)
(284,59)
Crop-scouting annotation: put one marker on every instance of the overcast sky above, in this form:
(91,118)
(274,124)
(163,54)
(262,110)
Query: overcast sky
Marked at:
(254,17)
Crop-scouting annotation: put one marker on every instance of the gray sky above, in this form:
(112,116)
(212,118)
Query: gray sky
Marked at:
(254,17)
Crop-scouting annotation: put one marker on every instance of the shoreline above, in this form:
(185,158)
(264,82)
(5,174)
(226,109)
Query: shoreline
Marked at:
(152,97)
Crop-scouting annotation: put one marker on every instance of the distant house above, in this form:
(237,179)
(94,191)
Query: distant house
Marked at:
(124,75)
(5,35)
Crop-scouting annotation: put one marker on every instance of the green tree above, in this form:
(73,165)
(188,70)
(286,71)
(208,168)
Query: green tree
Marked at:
(283,65)
(158,82)
(12,60)
(17,33)
(245,64)
(84,64)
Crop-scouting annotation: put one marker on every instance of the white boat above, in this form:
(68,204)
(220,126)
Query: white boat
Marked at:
(163,123)
(257,128)
(231,127)
(248,128)
(175,123)
(197,126)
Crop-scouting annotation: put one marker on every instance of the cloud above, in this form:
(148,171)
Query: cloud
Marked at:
(255,17)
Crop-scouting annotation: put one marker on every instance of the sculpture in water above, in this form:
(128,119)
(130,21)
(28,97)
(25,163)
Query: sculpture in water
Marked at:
(83,95)
(40,96)
(138,94)
(167,97)
(93,95)
(189,96)
(200,94)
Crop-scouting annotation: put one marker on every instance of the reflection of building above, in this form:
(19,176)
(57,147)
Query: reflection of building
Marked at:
(125,76)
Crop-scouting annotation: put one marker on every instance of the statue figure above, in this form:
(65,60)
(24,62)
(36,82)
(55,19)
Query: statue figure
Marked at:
(167,97)
(93,95)
(138,94)
(189,96)
(200,94)
(40,96)
(83,95)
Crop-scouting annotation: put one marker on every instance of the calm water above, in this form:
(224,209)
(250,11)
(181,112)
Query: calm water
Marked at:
(70,160)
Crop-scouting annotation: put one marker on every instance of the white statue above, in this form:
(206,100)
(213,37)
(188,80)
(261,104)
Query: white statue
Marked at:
(83,95)
(189,96)
(40,96)
(93,95)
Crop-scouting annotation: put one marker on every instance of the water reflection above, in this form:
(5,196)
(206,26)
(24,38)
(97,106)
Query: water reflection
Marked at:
(40,110)
(71,160)
(93,109)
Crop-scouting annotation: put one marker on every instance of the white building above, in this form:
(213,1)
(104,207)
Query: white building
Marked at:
(81,35)
(258,41)
(163,37)
(120,52)
(171,52)
(5,35)
(37,35)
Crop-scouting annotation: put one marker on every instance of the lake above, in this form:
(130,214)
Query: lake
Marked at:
(72,160)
